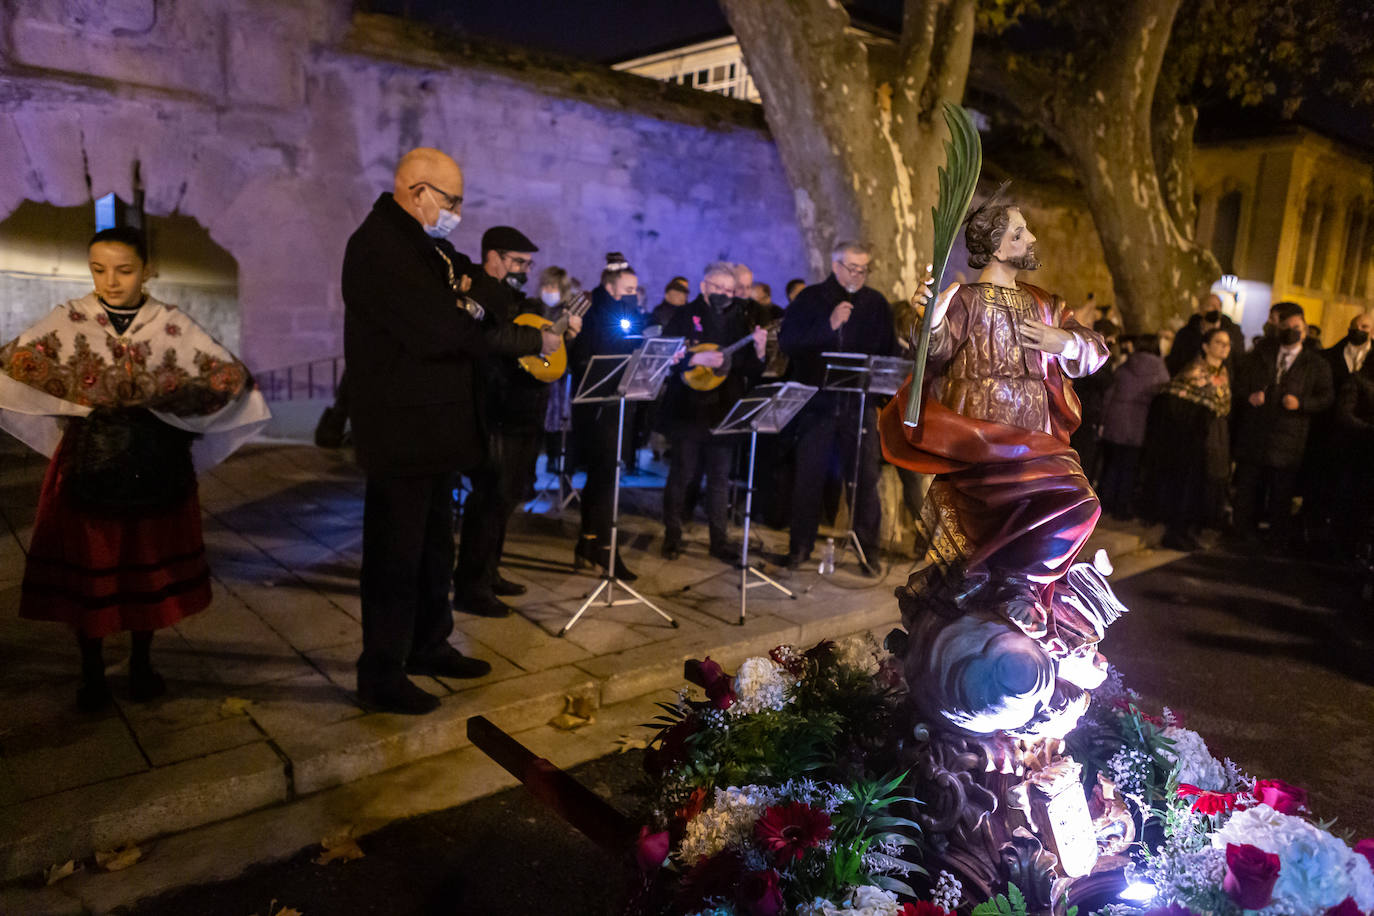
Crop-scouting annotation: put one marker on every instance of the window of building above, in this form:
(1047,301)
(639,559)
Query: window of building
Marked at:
(1326,226)
(1307,239)
(1354,260)
(1225,230)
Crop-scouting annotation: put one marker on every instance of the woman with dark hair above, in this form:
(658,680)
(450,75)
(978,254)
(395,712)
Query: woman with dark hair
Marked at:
(129,397)
(612,325)
(1189,448)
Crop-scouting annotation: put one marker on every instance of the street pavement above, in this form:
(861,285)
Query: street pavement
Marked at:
(258,750)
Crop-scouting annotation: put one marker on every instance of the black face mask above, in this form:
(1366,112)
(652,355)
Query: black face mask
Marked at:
(517,279)
(1289,336)
(718,301)
(1358,336)
(1212,317)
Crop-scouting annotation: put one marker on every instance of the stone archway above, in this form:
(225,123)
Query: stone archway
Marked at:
(43,262)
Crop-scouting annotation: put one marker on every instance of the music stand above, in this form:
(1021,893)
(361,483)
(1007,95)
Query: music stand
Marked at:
(766,409)
(637,376)
(862,374)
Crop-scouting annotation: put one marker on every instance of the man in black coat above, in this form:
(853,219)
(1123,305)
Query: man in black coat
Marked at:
(1280,387)
(513,405)
(1188,341)
(1331,463)
(411,346)
(687,416)
(840,314)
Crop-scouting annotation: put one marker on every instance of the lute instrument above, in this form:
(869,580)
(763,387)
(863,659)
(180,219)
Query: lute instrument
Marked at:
(551,368)
(704,378)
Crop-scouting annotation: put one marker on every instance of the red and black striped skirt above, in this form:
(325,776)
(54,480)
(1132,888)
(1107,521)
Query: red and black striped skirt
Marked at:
(101,574)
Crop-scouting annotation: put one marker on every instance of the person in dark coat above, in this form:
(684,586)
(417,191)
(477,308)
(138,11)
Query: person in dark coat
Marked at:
(613,325)
(1354,520)
(688,415)
(1188,340)
(1092,398)
(513,405)
(1125,410)
(839,314)
(1330,462)
(1280,386)
(412,346)
(674,297)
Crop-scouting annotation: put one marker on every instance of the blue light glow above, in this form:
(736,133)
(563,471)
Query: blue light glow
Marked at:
(624,324)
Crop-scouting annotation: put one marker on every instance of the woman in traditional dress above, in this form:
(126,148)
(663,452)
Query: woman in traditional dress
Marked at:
(1189,450)
(129,397)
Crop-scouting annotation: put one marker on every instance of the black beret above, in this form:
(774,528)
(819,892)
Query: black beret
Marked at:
(506,238)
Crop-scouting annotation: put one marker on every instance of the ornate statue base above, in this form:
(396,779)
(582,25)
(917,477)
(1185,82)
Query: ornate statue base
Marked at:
(999,668)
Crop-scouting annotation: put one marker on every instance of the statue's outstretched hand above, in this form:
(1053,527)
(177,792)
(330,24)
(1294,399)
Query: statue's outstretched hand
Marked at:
(922,297)
(1037,335)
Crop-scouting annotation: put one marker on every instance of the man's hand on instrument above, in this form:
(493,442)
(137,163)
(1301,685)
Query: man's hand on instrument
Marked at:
(574,325)
(760,341)
(711,359)
(1037,335)
(551,342)
(840,314)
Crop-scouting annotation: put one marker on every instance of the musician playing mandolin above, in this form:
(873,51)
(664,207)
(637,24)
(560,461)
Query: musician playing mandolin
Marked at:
(725,357)
(513,403)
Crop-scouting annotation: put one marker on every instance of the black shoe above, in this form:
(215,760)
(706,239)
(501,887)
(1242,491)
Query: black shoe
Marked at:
(671,549)
(145,684)
(728,551)
(448,662)
(870,567)
(397,695)
(482,603)
(505,588)
(93,696)
(622,572)
(795,560)
(586,553)
(590,550)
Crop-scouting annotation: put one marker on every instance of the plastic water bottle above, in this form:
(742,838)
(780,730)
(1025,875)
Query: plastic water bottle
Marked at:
(828,557)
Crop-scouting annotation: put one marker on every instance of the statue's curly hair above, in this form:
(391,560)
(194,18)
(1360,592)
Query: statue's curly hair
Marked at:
(985,226)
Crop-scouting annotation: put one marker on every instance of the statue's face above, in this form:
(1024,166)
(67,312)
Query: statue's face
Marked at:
(1017,247)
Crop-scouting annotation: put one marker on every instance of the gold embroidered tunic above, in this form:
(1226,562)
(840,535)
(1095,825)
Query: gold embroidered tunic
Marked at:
(985,373)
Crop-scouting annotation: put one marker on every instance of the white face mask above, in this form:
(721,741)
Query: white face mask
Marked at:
(444,224)
(550,297)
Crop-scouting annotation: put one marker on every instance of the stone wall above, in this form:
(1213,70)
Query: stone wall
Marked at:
(275,125)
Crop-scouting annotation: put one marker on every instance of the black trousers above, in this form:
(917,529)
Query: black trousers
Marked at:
(694,451)
(407,561)
(1120,468)
(1267,491)
(826,433)
(498,488)
(594,428)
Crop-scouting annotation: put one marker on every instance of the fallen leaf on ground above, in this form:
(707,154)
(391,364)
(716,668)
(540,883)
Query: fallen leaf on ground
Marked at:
(56,873)
(630,743)
(339,845)
(234,706)
(117,859)
(577,712)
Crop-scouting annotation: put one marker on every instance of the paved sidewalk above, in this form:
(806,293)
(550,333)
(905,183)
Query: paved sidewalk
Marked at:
(259,711)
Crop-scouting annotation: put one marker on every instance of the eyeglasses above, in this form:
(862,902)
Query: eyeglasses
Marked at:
(711,286)
(855,270)
(520,261)
(450,201)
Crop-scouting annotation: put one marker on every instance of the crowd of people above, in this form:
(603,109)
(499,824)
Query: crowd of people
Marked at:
(455,372)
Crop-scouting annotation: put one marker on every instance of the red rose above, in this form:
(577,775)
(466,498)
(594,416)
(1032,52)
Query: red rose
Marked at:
(1208,802)
(720,687)
(760,895)
(1347,907)
(1279,795)
(924,908)
(1250,876)
(651,849)
(789,830)
(1366,849)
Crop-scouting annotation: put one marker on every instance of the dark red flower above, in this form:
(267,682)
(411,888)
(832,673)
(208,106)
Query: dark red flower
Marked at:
(1347,907)
(760,895)
(695,802)
(1208,802)
(1366,849)
(672,747)
(924,908)
(651,849)
(713,876)
(719,686)
(1279,795)
(1250,875)
(789,830)
(789,658)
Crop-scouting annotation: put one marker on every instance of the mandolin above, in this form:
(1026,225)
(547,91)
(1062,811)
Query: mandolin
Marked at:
(552,367)
(704,378)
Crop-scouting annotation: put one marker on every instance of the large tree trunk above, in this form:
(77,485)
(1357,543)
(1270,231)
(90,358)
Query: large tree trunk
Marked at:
(1105,125)
(858,129)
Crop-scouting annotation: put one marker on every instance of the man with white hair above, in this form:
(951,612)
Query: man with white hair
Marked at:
(411,342)
(838,314)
